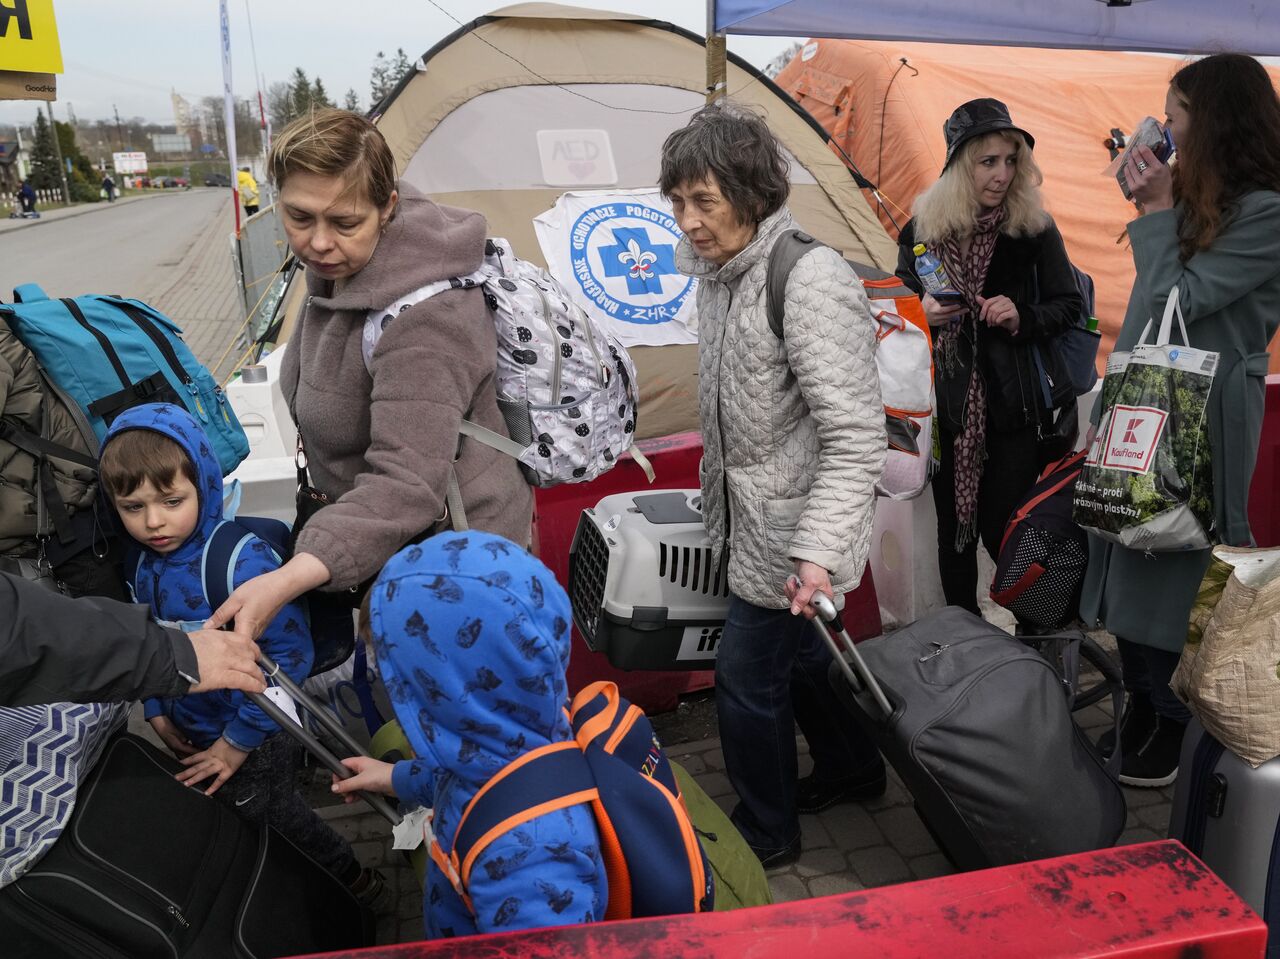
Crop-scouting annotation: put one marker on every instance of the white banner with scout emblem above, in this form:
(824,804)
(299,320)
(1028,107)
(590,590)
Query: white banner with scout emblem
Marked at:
(615,252)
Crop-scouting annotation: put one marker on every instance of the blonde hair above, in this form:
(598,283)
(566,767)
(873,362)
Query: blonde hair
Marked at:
(950,207)
(335,143)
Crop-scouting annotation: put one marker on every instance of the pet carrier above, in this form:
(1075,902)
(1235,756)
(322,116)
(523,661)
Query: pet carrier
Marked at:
(642,583)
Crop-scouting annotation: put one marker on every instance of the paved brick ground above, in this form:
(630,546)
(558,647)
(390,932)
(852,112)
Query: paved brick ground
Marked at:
(200,294)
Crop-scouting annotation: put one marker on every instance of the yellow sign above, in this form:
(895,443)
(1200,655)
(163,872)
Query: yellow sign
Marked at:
(29,37)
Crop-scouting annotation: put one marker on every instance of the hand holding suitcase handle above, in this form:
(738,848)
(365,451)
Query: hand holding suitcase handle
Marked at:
(829,615)
(308,740)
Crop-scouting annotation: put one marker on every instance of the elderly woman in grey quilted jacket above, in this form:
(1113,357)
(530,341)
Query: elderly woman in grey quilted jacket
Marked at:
(793,443)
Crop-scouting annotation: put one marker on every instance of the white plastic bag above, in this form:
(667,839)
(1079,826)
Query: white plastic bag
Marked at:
(904,360)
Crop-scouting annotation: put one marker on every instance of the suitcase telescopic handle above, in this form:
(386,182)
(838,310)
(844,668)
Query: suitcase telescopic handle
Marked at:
(829,615)
(308,739)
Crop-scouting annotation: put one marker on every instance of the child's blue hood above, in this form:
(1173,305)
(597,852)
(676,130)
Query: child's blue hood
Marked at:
(179,425)
(471,634)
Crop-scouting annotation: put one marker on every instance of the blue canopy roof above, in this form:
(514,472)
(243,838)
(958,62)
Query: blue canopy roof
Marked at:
(1168,26)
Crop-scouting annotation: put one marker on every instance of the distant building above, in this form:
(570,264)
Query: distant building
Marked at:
(181,112)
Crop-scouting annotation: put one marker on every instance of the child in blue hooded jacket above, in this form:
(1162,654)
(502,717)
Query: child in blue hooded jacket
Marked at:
(471,633)
(162,476)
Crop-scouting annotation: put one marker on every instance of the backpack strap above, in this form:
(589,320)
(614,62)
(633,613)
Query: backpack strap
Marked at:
(786,253)
(40,449)
(29,293)
(1025,510)
(543,780)
(218,561)
(1028,579)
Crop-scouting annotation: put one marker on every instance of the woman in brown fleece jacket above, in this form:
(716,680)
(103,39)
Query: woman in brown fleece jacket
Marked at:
(380,440)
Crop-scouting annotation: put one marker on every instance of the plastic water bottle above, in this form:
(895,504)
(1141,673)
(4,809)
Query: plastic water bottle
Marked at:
(931,272)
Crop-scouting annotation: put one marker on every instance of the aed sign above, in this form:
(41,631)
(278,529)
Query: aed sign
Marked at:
(575,158)
(29,37)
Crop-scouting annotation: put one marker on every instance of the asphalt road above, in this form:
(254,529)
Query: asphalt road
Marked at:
(128,248)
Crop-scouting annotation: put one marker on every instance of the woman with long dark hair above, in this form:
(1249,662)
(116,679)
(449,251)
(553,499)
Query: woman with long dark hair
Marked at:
(985,220)
(1210,226)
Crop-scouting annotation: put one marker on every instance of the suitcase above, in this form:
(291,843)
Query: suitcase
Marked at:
(978,727)
(1228,814)
(148,867)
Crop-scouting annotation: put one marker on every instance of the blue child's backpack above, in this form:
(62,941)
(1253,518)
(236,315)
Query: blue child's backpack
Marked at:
(653,859)
(108,354)
(332,627)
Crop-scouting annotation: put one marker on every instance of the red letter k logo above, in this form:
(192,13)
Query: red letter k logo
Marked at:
(1130,434)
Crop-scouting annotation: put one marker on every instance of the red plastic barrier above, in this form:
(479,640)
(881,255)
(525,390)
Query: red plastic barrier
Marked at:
(675,465)
(1150,901)
(1264,499)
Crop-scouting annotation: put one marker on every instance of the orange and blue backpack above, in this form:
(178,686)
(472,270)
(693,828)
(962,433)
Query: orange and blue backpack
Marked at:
(653,859)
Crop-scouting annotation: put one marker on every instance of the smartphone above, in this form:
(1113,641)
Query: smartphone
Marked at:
(949,298)
(1155,138)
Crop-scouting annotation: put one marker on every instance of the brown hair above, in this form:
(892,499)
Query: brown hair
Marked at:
(133,456)
(736,146)
(1232,145)
(335,143)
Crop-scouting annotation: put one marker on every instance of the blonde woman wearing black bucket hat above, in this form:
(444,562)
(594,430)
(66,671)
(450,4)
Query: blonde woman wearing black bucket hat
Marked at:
(985,220)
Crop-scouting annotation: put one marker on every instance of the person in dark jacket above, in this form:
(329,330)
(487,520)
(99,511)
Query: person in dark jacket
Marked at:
(27,199)
(54,649)
(985,221)
(1210,227)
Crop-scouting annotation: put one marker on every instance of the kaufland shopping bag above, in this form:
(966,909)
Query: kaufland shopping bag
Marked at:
(1147,482)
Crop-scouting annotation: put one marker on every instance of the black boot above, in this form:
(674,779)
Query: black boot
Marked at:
(1136,726)
(1156,761)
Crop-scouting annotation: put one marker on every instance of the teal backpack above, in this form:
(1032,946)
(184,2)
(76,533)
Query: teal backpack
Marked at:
(109,353)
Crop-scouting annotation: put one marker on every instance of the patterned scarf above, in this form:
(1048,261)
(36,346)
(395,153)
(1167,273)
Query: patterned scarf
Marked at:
(968,274)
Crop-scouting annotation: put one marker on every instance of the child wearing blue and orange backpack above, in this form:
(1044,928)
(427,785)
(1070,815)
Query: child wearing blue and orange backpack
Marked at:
(472,639)
(159,471)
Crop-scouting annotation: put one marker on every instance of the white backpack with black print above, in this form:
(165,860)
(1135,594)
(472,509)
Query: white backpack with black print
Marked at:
(567,389)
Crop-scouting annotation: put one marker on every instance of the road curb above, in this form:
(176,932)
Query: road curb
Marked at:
(69,213)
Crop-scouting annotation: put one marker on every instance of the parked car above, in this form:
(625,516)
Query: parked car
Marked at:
(217,179)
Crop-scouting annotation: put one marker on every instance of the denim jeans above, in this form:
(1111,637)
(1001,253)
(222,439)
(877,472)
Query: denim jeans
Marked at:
(1147,671)
(771,674)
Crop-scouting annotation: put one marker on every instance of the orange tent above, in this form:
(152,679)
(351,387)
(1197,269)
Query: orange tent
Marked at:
(887,116)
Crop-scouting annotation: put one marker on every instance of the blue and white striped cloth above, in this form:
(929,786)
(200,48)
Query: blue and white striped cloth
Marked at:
(45,753)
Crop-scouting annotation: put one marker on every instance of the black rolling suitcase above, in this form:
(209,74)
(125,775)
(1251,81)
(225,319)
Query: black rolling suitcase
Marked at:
(147,867)
(1228,813)
(978,727)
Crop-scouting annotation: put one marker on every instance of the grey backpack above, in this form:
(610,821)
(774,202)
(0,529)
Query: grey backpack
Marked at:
(567,389)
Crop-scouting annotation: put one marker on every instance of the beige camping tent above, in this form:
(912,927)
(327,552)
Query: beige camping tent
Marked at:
(464,129)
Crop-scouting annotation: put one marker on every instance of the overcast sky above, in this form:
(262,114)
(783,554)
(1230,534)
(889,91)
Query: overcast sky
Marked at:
(131,54)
